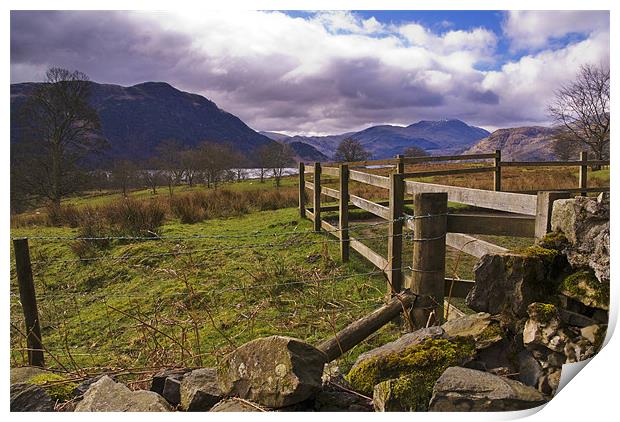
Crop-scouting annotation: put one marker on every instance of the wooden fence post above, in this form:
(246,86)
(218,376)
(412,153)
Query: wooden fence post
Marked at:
(497,179)
(395,234)
(317,197)
(302,192)
(343,213)
(27,296)
(544,208)
(583,172)
(400,165)
(429,257)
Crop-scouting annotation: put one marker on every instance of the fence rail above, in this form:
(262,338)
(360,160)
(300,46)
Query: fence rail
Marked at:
(524,214)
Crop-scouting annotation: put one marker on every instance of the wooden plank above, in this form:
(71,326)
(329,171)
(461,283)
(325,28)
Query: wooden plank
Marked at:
(540,163)
(458,288)
(329,228)
(309,215)
(371,207)
(302,194)
(331,171)
(414,160)
(583,173)
(544,208)
(370,179)
(452,312)
(449,172)
(472,246)
(503,201)
(376,259)
(571,190)
(332,193)
(598,162)
(490,224)
(317,197)
(358,331)
(343,213)
(429,257)
(395,233)
(384,162)
(309,185)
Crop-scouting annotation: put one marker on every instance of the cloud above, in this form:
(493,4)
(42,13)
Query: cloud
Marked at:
(328,72)
(533,29)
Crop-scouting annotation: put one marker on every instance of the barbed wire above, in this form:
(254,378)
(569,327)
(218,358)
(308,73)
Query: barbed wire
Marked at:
(223,237)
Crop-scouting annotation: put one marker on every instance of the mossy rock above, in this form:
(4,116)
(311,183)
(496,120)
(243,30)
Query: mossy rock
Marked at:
(555,240)
(543,312)
(419,365)
(586,288)
(56,386)
(537,251)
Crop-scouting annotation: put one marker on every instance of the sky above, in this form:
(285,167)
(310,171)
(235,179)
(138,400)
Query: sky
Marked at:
(327,72)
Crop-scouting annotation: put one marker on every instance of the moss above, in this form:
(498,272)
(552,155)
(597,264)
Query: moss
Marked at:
(492,331)
(584,285)
(407,393)
(544,312)
(547,255)
(554,240)
(424,362)
(56,386)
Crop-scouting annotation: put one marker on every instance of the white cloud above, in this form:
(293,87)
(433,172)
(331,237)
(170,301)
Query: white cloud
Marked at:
(533,29)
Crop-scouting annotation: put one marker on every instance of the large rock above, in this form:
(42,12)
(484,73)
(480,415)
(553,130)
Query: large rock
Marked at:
(585,223)
(159,379)
(341,401)
(412,369)
(30,398)
(199,390)
(543,328)
(530,369)
(106,395)
(462,389)
(485,330)
(236,405)
(274,371)
(23,374)
(509,282)
(583,286)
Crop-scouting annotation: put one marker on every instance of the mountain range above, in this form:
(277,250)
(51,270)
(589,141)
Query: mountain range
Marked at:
(136,119)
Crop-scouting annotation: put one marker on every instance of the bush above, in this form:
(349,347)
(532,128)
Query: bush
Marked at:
(130,217)
(64,215)
(188,208)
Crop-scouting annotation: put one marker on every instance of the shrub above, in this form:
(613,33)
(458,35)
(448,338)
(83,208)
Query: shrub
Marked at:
(130,217)
(64,215)
(188,208)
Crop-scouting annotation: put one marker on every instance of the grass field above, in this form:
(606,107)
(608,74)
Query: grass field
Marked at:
(188,301)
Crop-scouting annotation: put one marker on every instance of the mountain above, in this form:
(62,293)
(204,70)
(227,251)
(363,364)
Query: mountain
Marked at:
(136,119)
(386,141)
(307,153)
(530,143)
(279,137)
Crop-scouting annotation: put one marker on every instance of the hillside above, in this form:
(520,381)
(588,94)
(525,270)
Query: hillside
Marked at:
(530,143)
(136,119)
(304,152)
(385,141)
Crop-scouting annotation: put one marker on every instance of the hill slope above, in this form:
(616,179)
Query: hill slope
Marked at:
(529,143)
(136,119)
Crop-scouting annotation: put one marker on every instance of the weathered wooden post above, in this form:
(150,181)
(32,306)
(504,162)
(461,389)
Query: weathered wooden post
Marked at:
(302,192)
(497,176)
(343,213)
(544,208)
(27,296)
(583,172)
(400,164)
(429,257)
(317,197)
(395,234)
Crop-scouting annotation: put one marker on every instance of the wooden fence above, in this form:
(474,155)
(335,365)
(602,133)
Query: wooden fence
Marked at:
(518,214)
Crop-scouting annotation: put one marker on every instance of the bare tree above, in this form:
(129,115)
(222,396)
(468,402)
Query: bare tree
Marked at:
(415,151)
(215,160)
(351,149)
(123,175)
(581,110)
(277,158)
(189,161)
(151,175)
(169,160)
(263,161)
(59,130)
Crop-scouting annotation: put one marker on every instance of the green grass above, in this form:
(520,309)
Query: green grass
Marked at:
(224,292)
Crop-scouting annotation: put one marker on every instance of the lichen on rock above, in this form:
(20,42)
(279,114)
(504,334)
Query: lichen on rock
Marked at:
(586,288)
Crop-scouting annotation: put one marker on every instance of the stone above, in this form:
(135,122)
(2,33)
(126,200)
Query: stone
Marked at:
(398,395)
(413,369)
(578,350)
(23,374)
(403,343)
(83,387)
(530,369)
(549,383)
(485,330)
(594,333)
(30,398)
(543,328)
(274,371)
(584,287)
(461,389)
(509,282)
(341,401)
(236,405)
(106,395)
(172,391)
(159,379)
(200,390)
(585,223)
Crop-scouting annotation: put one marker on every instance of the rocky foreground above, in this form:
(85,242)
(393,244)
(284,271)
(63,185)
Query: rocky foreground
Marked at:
(538,308)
